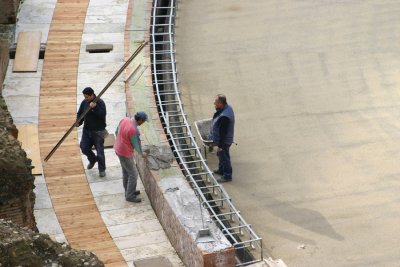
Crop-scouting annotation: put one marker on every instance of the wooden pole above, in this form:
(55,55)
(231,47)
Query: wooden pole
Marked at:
(142,45)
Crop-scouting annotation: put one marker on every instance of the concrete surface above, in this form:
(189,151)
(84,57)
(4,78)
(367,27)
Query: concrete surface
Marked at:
(315,86)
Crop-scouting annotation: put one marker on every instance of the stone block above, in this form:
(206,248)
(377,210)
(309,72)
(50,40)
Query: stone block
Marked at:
(153,262)
(99,48)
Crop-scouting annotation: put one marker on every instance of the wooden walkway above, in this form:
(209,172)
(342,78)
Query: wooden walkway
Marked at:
(65,177)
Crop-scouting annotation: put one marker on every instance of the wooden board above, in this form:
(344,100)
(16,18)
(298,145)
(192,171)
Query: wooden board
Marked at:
(28,136)
(68,187)
(27,53)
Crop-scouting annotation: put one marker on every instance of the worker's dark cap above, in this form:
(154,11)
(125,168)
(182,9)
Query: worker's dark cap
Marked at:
(88,91)
(141,115)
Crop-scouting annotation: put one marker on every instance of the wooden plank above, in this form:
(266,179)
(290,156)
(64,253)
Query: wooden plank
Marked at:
(71,196)
(28,136)
(27,53)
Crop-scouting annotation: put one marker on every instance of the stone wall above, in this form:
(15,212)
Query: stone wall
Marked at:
(8,11)
(17,182)
(3,62)
(23,247)
(178,210)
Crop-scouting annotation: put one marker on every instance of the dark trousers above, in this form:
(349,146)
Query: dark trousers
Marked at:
(90,139)
(225,165)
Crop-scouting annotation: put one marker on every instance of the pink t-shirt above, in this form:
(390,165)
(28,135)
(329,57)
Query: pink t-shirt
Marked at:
(123,145)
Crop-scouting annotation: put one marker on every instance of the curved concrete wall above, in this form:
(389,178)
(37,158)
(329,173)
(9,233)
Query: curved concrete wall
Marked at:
(172,198)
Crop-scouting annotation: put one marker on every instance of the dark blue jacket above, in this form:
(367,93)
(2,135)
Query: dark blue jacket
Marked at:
(95,119)
(222,126)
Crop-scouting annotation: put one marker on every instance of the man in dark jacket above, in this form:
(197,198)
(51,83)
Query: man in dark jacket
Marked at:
(94,130)
(222,131)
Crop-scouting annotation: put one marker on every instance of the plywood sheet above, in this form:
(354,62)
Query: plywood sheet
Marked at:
(27,54)
(28,136)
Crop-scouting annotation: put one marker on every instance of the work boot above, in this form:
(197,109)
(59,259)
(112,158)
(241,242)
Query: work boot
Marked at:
(134,200)
(224,180)
(137,192)
(91,165)
(218,172)
(102,174)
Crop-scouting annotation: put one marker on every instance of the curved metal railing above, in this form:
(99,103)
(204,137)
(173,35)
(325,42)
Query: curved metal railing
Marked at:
(195,168)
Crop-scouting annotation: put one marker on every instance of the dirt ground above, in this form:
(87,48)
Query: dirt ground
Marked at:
(315,87)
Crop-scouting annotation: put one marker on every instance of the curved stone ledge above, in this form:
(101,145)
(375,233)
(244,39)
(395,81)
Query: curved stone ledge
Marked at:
(178,210)
(175,203)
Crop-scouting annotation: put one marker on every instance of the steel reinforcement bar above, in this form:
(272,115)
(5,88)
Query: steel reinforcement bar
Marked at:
(211,194)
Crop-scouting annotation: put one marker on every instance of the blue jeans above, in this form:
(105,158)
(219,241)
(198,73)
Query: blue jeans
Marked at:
(129,176)
(90,139)
(225,165)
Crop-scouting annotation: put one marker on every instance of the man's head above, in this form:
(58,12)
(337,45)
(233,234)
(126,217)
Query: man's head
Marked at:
(141,117)
(220,101)
(88,94)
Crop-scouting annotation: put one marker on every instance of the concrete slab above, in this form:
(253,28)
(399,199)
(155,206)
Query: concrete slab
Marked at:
(147,251)
(103,37)
(42,27)
(100,66)
(111,161)
(113,173)
(142,239)
(107,188)
(101,58)
(108,9)
(115,201)
(46,221)
(95,3)
(174,259)
(109,19)
(315,89)
(104,28)
(153,262)
(136,212)
(21,86)
(42,200)
(30,13)
(28,115)
(114,97)
(116,87)
(134,228)
(39,179)
(101,77)
(41,3)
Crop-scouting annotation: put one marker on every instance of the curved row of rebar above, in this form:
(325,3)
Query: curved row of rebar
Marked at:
(193,165)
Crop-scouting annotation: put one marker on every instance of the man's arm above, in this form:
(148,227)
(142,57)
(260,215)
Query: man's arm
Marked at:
(100,109)
(136,143)
(80,111)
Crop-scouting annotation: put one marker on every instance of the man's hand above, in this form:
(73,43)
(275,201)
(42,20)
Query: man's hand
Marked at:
(219,149)
(92,105)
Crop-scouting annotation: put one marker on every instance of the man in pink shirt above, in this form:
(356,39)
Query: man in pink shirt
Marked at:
(127,140)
